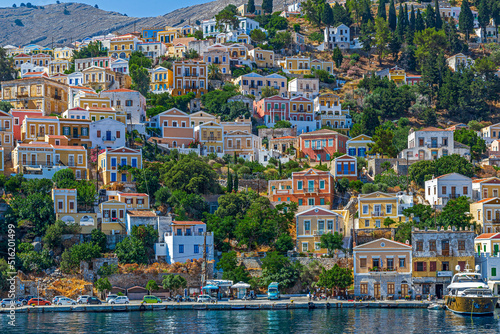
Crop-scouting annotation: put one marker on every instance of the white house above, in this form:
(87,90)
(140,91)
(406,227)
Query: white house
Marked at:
(266,154)
(337,36)
(439,190)
(76,113)
(130,101)
(459,60)
(75,79)
(119,65)
(306,87)
(432,143)
(245,25)
(491,35)
(27,68)
(152,49)
(107,133)
(185,242)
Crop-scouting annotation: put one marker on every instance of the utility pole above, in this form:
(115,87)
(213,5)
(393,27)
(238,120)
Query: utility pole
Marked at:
(204,278)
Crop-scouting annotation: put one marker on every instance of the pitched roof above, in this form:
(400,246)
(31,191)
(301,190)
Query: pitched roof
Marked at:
(188,223)
(285,137)
(432,128)
(120,90)
(489,236)
(133,194)
(141,213)
(487,199)
(385,240)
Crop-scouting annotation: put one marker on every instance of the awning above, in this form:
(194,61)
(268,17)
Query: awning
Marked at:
(241,285)
(210,287)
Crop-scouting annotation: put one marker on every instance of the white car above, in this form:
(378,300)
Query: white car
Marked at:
(109,297)
(66,301)
(56,299)
(119,300)
(8,301)
(82,299)
(205,299)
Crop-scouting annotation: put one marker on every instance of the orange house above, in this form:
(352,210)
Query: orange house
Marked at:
(345,166)
(176,128)
(309,187)
(320,145)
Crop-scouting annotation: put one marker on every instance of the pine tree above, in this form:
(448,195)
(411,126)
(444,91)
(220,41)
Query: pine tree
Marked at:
(483,17)
(466,19)
(366,14)
(439,21)
(267,6)
(251,6)
(229,181)
(236,183)
(337,57)
(412,19)
(400,28)
(381,10)
(419,22)
(430,17)
(392,16)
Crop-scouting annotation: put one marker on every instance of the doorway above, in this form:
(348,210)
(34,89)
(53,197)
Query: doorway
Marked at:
(439,291)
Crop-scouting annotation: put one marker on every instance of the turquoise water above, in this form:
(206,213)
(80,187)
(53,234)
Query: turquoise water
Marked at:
(258,321)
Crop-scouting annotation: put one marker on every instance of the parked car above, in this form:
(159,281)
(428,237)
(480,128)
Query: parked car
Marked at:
(56,299)
(38,302)
(93,300)
(6,302)
(82,299)
(109,297)
(119,300)
(66,301)
(205,299)
(151,299)
(25,299)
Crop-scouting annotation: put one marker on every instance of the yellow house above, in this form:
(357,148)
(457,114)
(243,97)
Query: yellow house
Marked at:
(262,58)
(396,74)
(375,207)
(6,132)
(97,114)
(63,53)
(162,80)
(358,146)
(132,200)
(91,100)
(76,130)
(210,136)
(35,128)
(317,64)
(217,54)
(242,144)
(189,76)
(2,157)
(296,65)
(67,209)
(98,78)
(168,35)
(238,51)
(113,163)
(59,66)
(177,50)
(486,213)
(122,46)
(485,188)
(201,117)
(312,224)
(113,217)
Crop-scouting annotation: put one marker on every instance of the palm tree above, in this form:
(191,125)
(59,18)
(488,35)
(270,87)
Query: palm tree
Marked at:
(214,72)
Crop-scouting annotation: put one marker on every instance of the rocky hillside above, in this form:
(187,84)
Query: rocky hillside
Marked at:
(59,24)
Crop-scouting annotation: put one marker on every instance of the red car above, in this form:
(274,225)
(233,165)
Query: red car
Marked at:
(38,302)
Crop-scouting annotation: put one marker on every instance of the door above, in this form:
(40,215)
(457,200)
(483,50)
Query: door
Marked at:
(376,290)
(108,135)
(310,185)
(445,247)
(75,132)
(404,290)
(439,291)
(495,249)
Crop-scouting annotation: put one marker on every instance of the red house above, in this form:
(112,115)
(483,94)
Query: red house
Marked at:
(273,109)
(320,145)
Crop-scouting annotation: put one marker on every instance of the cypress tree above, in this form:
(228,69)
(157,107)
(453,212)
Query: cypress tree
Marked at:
(229,181)
(251,6)
(483,16)
(366,14)
(327,15)
(412,19)
(439,21)
(381,10)
(466,19)
(280,169)
(337,57)
(419,22)
(236,182)
(267,6)
(400,28)
(430,17)
(405,16)
(392,16)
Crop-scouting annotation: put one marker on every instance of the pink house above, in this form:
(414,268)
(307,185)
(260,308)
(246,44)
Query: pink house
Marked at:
(273,109)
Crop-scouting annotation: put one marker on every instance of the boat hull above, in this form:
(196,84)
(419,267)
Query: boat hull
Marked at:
(471,305)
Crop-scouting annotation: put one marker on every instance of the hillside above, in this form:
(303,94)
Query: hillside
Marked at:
(52,25)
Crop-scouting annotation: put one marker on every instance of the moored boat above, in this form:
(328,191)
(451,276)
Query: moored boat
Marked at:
(469,294)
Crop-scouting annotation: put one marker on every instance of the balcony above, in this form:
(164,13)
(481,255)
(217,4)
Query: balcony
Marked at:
(23,94)
(108,139)
(4,129)
(495,221)
(212,139)
(377,213)
(453,195)
(435,145)
(311,190)
(57,97)
(318,148)
(190,74)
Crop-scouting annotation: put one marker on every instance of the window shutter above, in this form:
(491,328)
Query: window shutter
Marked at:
(425,266)
(414,266)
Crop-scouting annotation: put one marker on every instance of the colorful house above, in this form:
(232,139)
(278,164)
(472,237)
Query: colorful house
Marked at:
(69,211)
(375,207)
(320,145)
(6,131)
(210,135)
(358,146)
(345,166)
(189,76)
(486,213)
(485,188)
(273,109)
(114,162)
(176,128)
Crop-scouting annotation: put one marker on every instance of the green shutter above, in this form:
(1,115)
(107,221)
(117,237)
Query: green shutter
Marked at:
(493,272)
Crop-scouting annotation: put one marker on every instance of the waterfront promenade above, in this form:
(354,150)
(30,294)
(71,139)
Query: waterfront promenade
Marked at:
(263,304)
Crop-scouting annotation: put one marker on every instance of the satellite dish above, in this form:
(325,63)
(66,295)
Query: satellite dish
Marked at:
(477,267)
(457,267)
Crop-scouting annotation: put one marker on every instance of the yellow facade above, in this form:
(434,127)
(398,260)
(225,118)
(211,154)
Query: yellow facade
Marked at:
(91,101)
(6,132)
(189,76)
(122,47)
(67,210)
(210,136)
(486,213)
(76,130)
(486,188)
(322,65)
(374,208)
(168,35)
(59,66)
(238,51)
(162,79)
(35,128)
(113,217)
(358,146)
(262,58)
(114,162)
(63,53)
(296,65)
(98,78)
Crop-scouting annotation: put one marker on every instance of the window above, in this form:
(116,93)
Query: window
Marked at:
(305,246)
(445,266)
(375,263)
(307,225)
(420,266)
(299,185)
(306,144)
(322,184)
(196,249)
(493,272)
(426,289)
(181,248)
(420,246)
(432,266)
(388,209)
(365,209)
(402,262)
(390,264)
(71,205)
(60,204)
(80,159)
(465,191)
(317,246)
(461,245)
(362,263)
(363,288)
(367,223)
(310,201)
(432,245)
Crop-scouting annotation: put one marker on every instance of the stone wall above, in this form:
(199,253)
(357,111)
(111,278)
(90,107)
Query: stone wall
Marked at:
(374,166)
(366,235)
(276,133)
(257,185)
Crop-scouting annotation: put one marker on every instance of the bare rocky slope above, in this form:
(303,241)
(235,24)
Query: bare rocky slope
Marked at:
(60,24)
